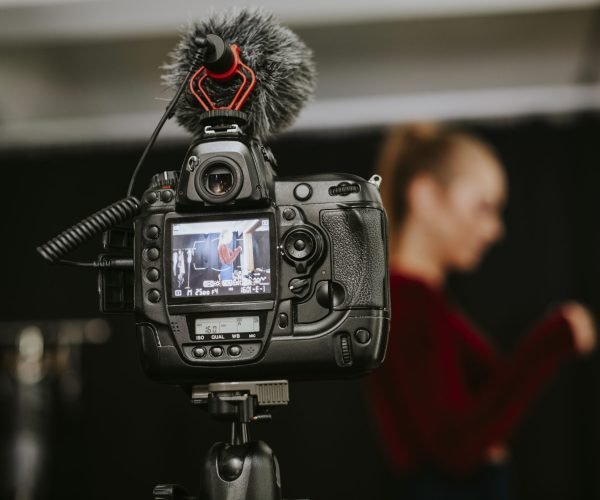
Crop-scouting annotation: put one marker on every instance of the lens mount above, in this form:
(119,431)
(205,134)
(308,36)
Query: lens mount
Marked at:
(219,179)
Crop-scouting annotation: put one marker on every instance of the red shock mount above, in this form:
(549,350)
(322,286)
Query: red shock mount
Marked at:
(238,68)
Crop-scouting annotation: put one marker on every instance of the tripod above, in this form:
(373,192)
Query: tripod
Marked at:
(240,469)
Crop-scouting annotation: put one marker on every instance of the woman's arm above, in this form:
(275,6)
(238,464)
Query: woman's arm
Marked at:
(455,426)
(227,255)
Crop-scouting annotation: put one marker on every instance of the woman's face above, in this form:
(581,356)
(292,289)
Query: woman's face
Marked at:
(469,208)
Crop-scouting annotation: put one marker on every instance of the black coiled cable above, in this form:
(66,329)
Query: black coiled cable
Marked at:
(54,250)
(87,229)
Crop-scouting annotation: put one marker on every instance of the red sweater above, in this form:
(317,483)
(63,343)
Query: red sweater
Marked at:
(443,396)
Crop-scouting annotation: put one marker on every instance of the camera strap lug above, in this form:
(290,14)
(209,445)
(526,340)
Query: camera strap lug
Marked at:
(375,180)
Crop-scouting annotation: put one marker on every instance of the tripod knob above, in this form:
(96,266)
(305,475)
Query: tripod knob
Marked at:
(170,492)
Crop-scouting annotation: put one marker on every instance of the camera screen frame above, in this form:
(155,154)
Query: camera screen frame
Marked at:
(232,297)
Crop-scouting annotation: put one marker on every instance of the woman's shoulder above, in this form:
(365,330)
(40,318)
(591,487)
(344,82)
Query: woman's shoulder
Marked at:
(413,297)
(410,285)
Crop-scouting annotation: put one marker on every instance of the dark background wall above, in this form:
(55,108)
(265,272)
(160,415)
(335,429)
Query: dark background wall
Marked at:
(127,433)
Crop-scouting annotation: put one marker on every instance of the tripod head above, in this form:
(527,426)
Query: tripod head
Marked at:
(240,469)
(241,403)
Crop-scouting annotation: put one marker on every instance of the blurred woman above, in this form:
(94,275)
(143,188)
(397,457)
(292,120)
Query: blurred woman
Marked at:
(445,401)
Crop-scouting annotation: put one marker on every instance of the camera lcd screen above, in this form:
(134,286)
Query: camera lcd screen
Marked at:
(221,258)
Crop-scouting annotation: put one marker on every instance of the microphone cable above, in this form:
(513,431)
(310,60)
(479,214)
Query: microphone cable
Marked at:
(121,211)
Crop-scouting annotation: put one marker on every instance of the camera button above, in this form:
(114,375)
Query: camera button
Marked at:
(153,253)
(154,296)
(283,320)
(152,232)
(216,352)
(299,244)
(166,195)
(302,192)
(234,350)
(362,336)
(199,352)
(289,214)
(151,197)
(153,274)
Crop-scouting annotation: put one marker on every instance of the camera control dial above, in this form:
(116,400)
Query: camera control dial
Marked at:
(165,180)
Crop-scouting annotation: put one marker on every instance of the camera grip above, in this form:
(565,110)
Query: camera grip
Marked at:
(358,238)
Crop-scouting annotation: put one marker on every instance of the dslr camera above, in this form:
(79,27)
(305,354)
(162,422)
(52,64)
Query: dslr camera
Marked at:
(240,274)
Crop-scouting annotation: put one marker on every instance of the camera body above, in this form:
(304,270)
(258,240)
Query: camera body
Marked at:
(241,275)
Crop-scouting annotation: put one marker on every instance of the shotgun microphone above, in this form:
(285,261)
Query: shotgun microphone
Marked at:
(252,64)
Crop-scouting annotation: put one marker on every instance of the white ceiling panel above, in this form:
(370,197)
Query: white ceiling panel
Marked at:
(107,87)
(29,20)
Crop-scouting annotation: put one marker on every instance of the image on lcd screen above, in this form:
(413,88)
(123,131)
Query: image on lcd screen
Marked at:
(221,258)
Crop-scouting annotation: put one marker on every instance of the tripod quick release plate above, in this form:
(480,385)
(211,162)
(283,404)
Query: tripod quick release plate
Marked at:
(267,393)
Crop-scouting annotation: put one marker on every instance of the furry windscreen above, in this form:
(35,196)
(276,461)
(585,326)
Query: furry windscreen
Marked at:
(283,64)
